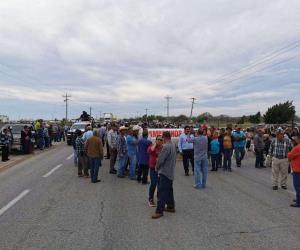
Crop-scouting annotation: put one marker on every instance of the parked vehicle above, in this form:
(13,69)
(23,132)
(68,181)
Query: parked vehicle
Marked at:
(16,131)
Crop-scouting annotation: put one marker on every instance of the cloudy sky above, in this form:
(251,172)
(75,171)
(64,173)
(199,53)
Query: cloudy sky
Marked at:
(123,56)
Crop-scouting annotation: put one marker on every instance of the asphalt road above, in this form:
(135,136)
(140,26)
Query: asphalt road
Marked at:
(44,205)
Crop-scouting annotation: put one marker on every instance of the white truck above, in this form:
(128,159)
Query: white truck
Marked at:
(108,117)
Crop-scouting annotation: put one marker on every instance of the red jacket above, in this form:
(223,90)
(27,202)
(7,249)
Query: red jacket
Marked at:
(153,154)
(294,157)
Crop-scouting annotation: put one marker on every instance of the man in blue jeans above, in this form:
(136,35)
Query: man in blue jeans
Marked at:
(166,167)
(200,158)
(122,151)
(239,143)
(132,143)
(94,150)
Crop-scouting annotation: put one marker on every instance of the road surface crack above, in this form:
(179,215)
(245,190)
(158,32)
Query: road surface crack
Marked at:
(107,235)
(256,231)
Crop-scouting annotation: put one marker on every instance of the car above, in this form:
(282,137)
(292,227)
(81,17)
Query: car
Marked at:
(16,131)
(77,125)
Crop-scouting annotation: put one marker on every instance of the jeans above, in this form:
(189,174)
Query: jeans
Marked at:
(188,155)
(296,181)
(107,150)
(153,184)
(132,165)
(259,161)
(166,196)
(201,168)
(142,174)
(215,161)
(41,142)
(227,159)
(113,158)
(75,158)
(239,155)
(47,142)
(220,159)
(5,153)
(95,163)
(83,165)
(122,163)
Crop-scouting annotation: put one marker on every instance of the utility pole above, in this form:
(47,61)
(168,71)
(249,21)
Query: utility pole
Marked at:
(168,105)
(66,99)
(193,102)
(90,111)
(146,114)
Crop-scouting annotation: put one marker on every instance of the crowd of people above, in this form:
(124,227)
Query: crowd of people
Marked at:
(40,135)
(132,153)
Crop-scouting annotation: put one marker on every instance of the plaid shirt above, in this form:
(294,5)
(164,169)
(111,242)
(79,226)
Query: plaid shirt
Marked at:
(79,143)
(280,149)
(4,139)
(121,146)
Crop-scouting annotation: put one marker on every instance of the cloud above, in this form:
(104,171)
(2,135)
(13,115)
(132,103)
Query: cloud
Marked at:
(127,56)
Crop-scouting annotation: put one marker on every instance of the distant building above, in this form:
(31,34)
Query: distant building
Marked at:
(4,118)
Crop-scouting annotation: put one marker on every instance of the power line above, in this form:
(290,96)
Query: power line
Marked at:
(66,99)
(267,67)
(263,60)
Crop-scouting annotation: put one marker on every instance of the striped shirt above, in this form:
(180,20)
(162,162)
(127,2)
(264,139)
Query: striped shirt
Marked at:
(280,149)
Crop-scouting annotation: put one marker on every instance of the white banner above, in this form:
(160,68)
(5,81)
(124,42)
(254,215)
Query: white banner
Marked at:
(175,133)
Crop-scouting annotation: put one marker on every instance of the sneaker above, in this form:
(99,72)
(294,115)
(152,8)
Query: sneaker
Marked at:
(275,188)
(151,203)
(284,187)
(196,186)
(113,171)
(156,216)
(170,210)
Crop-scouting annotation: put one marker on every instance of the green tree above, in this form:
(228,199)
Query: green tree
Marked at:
(255,118)
(280,113)
(242,120)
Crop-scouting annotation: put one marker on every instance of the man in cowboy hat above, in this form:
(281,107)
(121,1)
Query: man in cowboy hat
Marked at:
(279,149)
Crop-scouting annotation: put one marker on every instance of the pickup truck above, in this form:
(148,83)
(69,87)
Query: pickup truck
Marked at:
(77,125)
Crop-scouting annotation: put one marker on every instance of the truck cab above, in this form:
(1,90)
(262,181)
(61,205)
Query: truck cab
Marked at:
(77,125)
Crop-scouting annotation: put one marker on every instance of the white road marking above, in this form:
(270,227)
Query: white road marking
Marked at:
(52,171)
(70,157)
(14,201)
